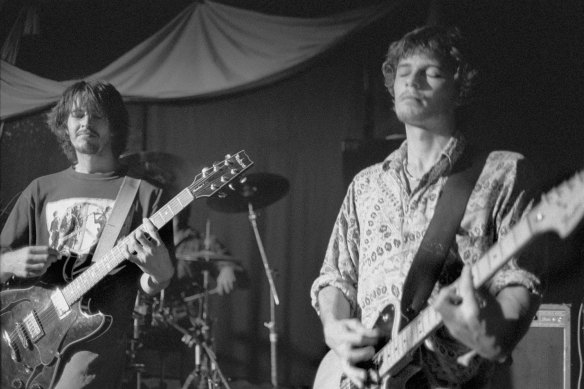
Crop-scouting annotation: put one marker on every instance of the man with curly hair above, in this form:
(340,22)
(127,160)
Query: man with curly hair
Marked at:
(387,210)
(91,123)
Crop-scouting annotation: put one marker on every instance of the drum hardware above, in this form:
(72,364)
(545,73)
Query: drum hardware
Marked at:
(252,192)
(206,366)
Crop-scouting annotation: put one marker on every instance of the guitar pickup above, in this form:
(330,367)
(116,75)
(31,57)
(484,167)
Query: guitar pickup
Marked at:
(60,304)
(33,326)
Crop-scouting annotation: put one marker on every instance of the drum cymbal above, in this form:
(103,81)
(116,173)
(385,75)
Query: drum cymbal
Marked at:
(166,170)
(208,261)
(257,189)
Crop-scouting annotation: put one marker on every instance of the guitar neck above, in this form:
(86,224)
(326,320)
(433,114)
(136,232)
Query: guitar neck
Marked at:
(96,272)
(412,335)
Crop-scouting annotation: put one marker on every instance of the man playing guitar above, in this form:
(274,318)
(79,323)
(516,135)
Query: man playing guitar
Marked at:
(386,212)
(91,123)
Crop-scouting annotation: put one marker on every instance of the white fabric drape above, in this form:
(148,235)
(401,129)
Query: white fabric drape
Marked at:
(208,49)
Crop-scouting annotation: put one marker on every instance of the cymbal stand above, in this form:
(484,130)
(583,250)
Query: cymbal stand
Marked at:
(200,340)
(274,300)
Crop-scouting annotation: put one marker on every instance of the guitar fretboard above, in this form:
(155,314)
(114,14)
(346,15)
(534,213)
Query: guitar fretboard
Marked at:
(87,280)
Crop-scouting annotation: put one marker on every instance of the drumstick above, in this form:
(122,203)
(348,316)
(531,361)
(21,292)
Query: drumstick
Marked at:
(199,295)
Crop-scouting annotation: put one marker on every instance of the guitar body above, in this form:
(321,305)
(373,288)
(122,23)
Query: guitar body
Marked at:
(31,359)
(330,375)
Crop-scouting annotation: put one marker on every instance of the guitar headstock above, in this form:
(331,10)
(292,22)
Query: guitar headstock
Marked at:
(212,179)
(562,208)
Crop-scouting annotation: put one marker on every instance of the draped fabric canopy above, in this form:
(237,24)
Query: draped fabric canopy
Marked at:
(208,49)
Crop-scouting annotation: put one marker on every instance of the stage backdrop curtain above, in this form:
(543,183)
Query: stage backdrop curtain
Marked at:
(208,49)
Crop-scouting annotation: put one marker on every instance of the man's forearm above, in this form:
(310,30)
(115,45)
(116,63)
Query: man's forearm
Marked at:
(333,305)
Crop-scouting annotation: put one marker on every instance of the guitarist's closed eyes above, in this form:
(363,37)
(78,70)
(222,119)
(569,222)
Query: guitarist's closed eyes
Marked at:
(406,228)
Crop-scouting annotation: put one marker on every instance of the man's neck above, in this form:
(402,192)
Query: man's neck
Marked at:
(425,147)
(92,164)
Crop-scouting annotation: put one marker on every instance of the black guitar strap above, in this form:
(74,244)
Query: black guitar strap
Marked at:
(429,260)
(118,215)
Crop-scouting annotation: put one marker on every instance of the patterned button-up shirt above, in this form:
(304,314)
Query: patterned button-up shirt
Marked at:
(383,220)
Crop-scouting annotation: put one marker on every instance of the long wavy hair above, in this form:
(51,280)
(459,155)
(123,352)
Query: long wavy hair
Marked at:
(98,98)
(448,44)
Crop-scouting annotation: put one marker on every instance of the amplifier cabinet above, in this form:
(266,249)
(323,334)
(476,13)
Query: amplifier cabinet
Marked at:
(541,360)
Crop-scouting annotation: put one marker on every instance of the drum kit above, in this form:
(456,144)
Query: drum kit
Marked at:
(184,313)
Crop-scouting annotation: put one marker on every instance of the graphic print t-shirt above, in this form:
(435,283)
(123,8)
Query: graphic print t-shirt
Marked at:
(68,211)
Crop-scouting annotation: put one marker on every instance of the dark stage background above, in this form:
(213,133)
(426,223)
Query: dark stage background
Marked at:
(532,103)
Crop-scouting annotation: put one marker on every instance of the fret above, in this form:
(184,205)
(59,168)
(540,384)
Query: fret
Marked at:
(409,338)
(522,232)
(402,341)
(477,271)
(499,254)
(486,266)
(420,325)
(508,244)
(493,258)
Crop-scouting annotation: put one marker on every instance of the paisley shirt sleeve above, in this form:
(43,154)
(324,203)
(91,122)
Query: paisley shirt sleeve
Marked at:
(341,261)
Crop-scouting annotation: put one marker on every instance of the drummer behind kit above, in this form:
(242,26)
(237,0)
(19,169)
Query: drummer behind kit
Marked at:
(182,310)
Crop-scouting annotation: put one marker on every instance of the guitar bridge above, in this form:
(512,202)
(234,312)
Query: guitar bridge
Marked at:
(14,350)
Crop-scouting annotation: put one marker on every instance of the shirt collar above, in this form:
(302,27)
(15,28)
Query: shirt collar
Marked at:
(449,155)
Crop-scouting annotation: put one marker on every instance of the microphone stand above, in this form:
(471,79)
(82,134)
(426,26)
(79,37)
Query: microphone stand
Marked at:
(274,300)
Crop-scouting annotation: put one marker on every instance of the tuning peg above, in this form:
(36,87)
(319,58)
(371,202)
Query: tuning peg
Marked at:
(205,171)
(231,186)
(221,195)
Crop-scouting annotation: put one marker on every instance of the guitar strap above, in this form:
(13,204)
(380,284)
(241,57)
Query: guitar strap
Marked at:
(429,260)
(118,215)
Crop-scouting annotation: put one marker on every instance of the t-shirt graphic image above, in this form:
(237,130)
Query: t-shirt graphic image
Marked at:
(75,226)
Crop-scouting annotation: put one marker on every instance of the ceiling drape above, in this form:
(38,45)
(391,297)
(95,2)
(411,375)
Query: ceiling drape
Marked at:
(206,50)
